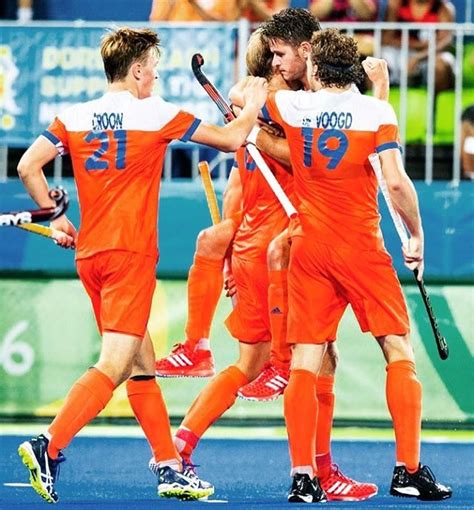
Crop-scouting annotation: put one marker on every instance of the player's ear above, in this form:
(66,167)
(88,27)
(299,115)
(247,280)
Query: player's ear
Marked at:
(136,70)
(305,49)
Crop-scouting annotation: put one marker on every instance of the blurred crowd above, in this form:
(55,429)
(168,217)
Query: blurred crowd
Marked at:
(409,11)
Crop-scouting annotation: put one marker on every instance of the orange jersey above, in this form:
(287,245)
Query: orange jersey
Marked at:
(331,136)
(263,216)
(117,145)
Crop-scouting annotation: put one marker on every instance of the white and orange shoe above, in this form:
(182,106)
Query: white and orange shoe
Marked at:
(339,487)
(184,361)
(269,385)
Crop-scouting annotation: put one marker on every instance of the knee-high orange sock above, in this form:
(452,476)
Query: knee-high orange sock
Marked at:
(85,400)
(403,391)
(210,405)
(150,411)
(280,354)
(205,283)
(326,399)
(301,415)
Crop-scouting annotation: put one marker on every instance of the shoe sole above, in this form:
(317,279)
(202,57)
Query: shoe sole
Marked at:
(345,498)
(300,499)
(259,399)
(202,374)
(29,460)
(185,494)
(394,492)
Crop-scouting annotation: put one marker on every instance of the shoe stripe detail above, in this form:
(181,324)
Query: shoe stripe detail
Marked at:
(347,489)
(171,359)
(333,487)
(281,379)
(340,488)
(272,386)
(186,360)
(275,384)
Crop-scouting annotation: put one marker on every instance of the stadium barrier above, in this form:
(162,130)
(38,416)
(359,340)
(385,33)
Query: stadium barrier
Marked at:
(48,337)
(59,64)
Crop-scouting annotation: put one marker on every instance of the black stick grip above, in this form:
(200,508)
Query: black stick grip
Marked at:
(441,344)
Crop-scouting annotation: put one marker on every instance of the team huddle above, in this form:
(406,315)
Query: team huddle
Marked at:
(290,280)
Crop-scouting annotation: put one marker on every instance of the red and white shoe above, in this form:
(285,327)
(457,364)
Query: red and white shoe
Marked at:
(269,385)
(184,361)
(339,487)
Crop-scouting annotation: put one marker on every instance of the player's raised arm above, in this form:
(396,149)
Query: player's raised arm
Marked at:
(377,71)
(230,137)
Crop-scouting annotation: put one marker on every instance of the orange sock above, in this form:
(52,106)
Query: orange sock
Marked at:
(211,404)
(403,392)
(205,282)
(326,399)
(85,400)
(280,354)
(301,415)
(150,411)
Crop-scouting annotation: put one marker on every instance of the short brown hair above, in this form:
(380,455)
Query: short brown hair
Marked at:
(259,57)
(292,26)
(336,57)
(122,47)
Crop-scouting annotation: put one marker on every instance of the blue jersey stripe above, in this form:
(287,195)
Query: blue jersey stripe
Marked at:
(53,139)
(189,133)
(386,146)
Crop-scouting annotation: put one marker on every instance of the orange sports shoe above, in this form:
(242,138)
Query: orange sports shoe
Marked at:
(339,487)
(269,385)
(184,361)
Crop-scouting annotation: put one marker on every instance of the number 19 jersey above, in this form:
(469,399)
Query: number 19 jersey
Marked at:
(331,136)
(117,145)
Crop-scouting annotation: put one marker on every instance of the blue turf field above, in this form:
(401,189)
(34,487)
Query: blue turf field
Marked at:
(111,473)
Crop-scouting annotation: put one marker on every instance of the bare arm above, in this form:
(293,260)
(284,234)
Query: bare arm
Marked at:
(275,146)
(232,199)
(230,137)
(405,202)
(377,71)
(30,170)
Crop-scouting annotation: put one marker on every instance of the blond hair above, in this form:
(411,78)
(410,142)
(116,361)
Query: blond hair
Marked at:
(122,47)
(259,57)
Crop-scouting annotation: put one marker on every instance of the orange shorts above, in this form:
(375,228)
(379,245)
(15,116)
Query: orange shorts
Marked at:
(249,321)
(120,285)
(323,280)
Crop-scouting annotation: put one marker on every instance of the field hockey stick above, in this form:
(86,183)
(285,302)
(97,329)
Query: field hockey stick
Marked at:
(19,218)
(196,63)
(209,191)
(441,343)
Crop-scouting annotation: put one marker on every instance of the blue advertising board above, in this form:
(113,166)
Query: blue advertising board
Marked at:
(46,68)
(447,213)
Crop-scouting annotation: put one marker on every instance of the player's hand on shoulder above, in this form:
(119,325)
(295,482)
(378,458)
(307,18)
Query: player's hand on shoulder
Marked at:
(376,69)
(255,91)
(413,255)
(65,234)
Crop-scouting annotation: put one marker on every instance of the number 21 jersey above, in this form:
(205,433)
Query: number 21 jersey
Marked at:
(117,145)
